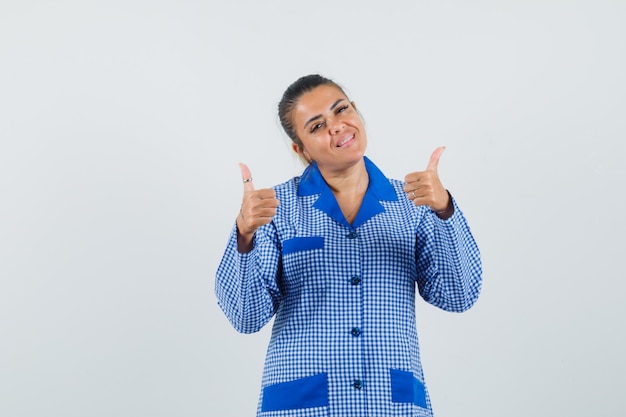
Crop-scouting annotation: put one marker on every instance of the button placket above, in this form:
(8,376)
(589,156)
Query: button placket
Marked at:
(355,281)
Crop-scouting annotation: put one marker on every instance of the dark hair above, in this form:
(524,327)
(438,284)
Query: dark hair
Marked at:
(291,96)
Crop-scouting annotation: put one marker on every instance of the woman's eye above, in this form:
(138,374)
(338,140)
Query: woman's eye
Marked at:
(342,109)
(316,126)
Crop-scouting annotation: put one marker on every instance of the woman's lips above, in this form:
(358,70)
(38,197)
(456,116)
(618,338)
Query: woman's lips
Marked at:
(345,141)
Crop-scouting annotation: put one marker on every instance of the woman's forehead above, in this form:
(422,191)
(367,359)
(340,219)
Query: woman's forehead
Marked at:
(319,100)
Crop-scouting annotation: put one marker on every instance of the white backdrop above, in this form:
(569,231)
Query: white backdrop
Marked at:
(121,126)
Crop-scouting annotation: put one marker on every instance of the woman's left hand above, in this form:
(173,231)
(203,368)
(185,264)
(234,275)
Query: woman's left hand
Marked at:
(425,188)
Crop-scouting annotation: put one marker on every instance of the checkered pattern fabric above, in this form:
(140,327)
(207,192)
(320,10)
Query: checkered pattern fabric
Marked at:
(344,339)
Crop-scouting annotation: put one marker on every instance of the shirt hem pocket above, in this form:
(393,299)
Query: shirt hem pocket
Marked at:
(306,392)
(406,388)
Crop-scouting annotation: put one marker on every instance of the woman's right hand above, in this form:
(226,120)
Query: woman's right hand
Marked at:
(257,208)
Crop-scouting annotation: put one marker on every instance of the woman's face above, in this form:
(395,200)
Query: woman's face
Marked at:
(330,128)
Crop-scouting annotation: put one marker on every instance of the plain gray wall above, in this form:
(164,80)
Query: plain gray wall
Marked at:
(121,126)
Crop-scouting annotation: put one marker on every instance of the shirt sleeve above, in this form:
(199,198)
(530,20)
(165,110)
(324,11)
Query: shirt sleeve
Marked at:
(449,267)
(246,284)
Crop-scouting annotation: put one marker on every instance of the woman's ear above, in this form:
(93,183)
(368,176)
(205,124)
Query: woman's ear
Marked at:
(302,153)
(296,148)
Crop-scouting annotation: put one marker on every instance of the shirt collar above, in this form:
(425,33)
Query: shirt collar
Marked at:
(379,189)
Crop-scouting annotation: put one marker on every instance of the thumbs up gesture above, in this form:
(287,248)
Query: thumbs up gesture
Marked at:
(257,208)
(424,187)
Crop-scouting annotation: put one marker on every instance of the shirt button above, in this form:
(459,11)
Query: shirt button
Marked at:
(355,280)
(355,331)
(352,235)
(358,384)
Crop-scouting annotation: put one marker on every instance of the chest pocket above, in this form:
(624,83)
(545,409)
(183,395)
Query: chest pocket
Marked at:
(298,244)
(303,263)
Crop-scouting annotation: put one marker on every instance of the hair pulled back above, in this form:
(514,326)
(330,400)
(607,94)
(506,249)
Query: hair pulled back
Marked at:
(291,96)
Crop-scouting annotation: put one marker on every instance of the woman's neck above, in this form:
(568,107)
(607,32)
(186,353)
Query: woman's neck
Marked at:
(351,181)
(349,189)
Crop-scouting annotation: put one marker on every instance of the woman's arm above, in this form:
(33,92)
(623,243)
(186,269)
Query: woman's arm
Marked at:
(449,266)
(246,284)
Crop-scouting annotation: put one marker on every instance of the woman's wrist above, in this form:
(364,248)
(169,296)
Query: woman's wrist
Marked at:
(446,213)
(245,242)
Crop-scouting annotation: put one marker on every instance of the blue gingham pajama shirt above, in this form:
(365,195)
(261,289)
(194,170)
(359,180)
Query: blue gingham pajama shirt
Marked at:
(344,339)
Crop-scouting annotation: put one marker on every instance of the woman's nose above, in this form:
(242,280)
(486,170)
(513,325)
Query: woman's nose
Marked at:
(335,127)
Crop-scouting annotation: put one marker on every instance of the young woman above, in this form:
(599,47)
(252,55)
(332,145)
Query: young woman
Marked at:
(336,255)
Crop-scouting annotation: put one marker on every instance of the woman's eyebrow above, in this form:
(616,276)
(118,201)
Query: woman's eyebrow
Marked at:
(332,107)
(336,103)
